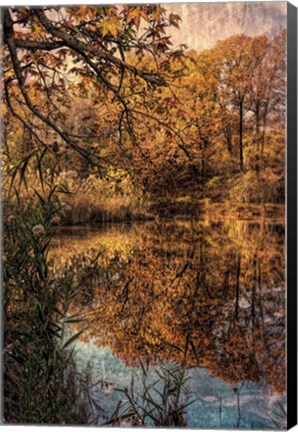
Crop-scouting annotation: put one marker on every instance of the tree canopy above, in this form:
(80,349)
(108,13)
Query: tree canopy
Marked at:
(107,83)
(97,50)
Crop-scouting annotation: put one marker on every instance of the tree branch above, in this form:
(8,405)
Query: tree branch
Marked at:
(81,47)
(18,72)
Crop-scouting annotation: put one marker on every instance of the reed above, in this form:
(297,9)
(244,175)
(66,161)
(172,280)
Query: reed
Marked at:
(157,396)
(41,382)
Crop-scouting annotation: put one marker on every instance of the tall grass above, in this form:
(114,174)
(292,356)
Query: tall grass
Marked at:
(82,200)
(157,396)
(41,382)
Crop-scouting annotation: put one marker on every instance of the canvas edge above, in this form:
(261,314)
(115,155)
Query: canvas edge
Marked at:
(291,212)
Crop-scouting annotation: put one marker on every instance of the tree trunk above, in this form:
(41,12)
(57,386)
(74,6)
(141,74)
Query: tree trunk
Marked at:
(228,136)
(237,286)
(241,134)
(257,157)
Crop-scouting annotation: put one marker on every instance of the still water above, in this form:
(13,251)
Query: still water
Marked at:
(208,295)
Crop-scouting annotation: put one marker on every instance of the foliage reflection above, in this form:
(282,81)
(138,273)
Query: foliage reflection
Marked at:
(208,294)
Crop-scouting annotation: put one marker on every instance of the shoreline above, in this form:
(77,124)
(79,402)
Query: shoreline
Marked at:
(274,213)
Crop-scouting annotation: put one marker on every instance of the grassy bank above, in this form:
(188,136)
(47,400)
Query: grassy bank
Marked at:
(167,208)
(71,200)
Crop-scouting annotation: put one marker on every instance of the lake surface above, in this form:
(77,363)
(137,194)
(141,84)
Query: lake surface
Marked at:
(209,295)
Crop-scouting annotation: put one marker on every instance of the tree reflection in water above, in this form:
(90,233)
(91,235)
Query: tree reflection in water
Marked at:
(208,294)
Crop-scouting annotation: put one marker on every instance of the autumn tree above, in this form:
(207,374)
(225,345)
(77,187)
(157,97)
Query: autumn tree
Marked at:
(104,82)
(49,52)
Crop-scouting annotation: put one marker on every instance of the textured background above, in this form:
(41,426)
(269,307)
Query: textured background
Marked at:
(203,24)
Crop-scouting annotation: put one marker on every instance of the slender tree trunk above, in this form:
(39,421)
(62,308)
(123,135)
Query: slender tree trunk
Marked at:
(203,165)
(241,134)
(203,147)
(228,136)
(262,139)
(253,296)
(201,278)
(238,286)
(257,157)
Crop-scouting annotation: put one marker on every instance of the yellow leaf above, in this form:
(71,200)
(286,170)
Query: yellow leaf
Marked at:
(111,26)
(135,14)
(9,74)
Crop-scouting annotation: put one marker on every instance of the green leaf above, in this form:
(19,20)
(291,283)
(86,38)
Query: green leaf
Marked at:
(73,338)
(75,320)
